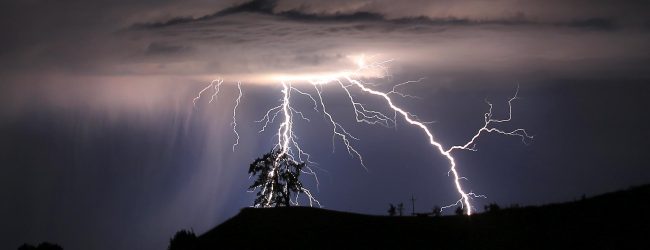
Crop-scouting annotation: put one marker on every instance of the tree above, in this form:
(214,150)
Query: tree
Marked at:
(492,207)
(277,178)
(437,211)
(400,208)
(391,210)
(459,211)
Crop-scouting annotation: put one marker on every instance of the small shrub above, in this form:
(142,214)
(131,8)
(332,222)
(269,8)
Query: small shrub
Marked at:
(183,240)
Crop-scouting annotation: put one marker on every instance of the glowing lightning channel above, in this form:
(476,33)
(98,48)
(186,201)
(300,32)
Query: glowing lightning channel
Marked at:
(374,117)
(432,141)
(288,145)
(234,116)
(465,196)
(216,85)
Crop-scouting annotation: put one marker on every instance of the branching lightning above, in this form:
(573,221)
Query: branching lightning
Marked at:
(234,115)
(350,81)
(216,85)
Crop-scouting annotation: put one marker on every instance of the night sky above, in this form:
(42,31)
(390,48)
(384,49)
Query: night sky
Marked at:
(101,147)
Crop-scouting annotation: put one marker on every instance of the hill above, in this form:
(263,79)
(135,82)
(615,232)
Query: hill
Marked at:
(616,220)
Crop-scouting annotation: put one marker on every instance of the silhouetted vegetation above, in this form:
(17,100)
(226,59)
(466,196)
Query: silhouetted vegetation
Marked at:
(391,210)
(437,211)
(492,207)
(400,208)
(277,178)
(459,211)
(42,246)
(183,240)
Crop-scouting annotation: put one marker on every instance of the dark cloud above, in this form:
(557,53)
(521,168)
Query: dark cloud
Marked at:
(316,59)
(594,23)
(269,7)
(86,39)
(266,32)
(255,6)
(157,48)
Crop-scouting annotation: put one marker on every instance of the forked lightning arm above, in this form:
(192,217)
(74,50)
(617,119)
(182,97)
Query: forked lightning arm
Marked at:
(348,81)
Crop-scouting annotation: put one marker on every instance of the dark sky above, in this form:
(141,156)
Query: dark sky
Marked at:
(101,147)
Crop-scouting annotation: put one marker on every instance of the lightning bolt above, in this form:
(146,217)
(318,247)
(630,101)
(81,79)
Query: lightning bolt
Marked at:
(216,85)
(234,115)
(349,81)
(287,144)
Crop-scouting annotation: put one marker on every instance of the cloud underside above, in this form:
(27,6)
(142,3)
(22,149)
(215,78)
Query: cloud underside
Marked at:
(290,37)
(256,37)
(269,8)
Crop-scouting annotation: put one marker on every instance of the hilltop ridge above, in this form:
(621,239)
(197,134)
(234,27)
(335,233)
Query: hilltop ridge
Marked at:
(617,220)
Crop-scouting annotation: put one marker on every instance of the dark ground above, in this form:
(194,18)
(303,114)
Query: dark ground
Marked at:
(618,220)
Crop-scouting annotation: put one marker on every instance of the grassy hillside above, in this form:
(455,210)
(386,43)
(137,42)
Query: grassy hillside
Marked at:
(616,220)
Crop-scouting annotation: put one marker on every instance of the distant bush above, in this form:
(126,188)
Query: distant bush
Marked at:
(391,209)
(459,211)
(437,212)
(492,207)
(42,246)
(400,208)
(183,240)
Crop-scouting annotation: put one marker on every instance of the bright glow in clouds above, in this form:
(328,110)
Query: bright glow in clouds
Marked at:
(350,81)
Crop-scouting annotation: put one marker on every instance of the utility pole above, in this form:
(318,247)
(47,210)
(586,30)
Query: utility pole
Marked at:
(413,204)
